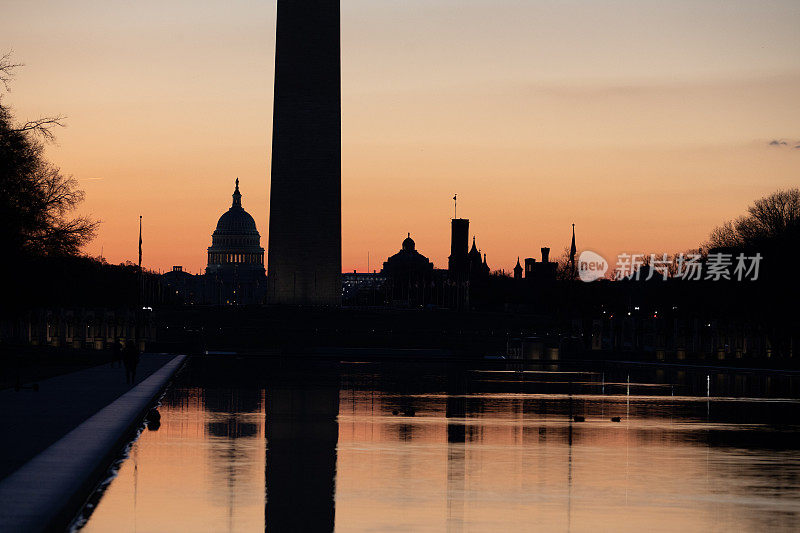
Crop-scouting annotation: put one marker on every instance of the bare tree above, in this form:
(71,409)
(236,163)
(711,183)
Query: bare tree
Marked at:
(43,127)
(565,270)
(773,217)
(55,232)
(36,200)
(7,67)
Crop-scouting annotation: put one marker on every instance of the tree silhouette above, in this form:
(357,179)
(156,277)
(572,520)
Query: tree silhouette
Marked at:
(565,270)
(769,221)
(36,200)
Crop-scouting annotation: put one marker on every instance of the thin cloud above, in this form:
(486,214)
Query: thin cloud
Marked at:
(781,143)
(645,88)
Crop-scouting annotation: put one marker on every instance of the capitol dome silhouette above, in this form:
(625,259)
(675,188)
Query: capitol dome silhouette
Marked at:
(236,241)
(236,221)
(408,244)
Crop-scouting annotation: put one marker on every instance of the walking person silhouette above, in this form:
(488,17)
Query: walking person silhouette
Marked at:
(116,350)
(130,358)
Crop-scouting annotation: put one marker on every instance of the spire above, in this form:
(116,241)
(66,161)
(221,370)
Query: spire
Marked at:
(518,270)
(474,248)
(572,249)
(237,196)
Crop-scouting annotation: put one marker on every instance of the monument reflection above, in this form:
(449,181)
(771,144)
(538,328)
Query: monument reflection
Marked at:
(302,433)
(246,445)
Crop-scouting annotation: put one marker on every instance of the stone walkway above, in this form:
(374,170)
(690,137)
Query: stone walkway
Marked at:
(57,441)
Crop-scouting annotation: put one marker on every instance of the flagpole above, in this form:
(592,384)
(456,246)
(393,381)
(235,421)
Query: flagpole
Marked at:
(139,288)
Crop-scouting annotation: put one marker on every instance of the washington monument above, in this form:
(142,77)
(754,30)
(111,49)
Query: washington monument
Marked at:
(304,262)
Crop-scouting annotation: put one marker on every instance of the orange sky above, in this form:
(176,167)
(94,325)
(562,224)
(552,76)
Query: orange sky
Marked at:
(645,124)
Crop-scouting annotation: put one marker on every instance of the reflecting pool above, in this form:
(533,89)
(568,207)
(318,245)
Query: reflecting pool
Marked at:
(247,444)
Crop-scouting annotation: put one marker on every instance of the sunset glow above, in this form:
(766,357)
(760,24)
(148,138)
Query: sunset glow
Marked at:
(645,124)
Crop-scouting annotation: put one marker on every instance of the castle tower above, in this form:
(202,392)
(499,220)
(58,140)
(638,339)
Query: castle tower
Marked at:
(518,270)
(304,261)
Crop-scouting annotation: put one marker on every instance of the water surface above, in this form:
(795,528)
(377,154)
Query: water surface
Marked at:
(246,445)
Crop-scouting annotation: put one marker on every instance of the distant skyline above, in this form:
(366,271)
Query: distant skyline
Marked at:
(644,123)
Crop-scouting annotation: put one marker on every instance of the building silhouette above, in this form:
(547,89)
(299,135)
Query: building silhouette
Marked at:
(518,270)
(545,271)
(410,275)
(409,279)
(464,265)
(235,271)
(478,268)
(305,236)
(364,288)
(457,263)
(185,286)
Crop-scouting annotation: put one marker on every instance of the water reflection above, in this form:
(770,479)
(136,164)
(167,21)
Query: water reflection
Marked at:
(302,433)
(202,470)
(455,414)
(246,444)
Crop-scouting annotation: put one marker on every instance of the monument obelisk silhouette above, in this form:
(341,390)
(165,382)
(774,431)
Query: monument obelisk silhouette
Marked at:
(304,261)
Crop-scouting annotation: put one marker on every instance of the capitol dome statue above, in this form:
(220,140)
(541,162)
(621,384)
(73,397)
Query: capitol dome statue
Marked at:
(236,258)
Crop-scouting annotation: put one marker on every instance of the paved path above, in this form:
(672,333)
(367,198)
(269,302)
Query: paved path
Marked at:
(32,421)
(56,442)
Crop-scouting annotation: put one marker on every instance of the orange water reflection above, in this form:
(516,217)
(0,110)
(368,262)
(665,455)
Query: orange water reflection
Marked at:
(202,470)
(447,455)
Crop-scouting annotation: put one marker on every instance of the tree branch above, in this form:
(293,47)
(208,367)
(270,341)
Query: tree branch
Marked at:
(42,127)
(7,67)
